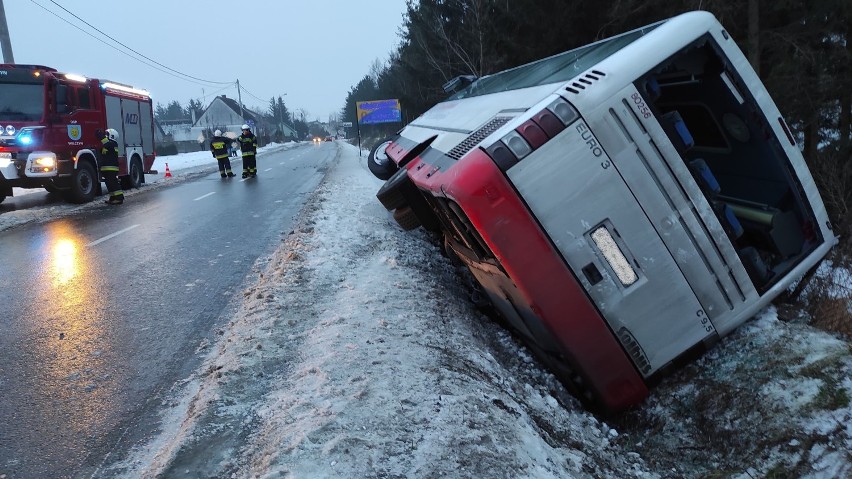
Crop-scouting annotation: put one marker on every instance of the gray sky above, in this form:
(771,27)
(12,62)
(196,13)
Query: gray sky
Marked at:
(313,51)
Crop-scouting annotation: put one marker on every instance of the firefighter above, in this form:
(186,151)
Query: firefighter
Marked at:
(108,160)
(219,147)
(248,145)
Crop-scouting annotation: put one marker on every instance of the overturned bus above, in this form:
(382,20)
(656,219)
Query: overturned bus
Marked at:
(624,205)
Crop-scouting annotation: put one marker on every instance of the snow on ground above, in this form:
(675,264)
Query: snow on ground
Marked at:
(355,352)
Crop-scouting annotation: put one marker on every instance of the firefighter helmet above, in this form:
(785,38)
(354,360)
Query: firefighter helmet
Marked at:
(246,127)
(218,132)
(112,134)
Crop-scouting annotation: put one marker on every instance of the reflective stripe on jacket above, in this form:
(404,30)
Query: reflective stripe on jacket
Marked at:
(248,144)
(109,155)
(219,146)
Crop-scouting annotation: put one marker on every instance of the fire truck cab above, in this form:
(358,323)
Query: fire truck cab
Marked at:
(48,122)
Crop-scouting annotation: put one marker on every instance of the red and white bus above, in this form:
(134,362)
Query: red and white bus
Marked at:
(624,205)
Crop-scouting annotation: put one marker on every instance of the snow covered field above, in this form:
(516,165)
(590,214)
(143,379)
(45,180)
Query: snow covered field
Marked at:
(355,352)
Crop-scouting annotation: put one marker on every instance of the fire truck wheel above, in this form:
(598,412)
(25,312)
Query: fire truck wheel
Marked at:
(391,193)
(379,162)
(406,218)
(134,178)
(83,183)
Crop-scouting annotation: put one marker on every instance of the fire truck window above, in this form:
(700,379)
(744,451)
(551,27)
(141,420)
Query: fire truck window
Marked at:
(62,99)
(83,99)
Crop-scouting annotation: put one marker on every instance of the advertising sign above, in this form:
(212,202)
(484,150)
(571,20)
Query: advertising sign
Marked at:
(378,111)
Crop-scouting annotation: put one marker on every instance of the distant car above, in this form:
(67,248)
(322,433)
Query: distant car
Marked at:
(317,139)
(328,138)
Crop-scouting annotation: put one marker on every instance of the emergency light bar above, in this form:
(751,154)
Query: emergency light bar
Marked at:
(74,77)
(124,88)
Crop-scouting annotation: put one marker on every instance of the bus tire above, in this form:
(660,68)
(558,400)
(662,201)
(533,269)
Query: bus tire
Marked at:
(378,161)
(84,183)
(134,176)
(391,193)
(406,218)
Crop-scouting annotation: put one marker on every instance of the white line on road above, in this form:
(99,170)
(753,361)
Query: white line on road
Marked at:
(125,230)
(204,196)
(268,169)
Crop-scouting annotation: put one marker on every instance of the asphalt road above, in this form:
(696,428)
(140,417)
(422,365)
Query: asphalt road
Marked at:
(101,313)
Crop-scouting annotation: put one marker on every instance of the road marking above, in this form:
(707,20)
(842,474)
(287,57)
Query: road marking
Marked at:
(125,230)
(204,196)
(268,169)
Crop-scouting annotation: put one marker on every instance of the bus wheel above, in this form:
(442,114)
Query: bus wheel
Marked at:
(83,183)
(379,162)
(406,218)
(134,178)
(391,193)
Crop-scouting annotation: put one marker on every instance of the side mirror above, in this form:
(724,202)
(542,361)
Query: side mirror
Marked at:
(458,83)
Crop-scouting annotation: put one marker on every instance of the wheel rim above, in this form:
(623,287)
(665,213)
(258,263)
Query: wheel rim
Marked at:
(381,157)
(135,174)
(84,180)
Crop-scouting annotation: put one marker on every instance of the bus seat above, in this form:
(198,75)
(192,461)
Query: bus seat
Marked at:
(704,177)
(754,265)
(652,89)
(730,223)
(677,131)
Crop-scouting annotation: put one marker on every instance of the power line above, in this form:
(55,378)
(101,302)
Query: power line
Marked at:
(125,46)
(251,94)
(156,64)
(113,46)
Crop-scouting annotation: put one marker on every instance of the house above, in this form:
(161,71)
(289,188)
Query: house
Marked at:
(225,114)
(178,136)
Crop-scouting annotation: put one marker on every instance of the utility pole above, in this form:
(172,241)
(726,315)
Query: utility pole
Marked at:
(5,43)
(240,99)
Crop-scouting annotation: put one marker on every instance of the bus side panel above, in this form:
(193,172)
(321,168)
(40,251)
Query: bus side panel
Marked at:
(549,287)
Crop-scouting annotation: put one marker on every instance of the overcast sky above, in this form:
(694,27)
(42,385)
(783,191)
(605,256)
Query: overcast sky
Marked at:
(313,51)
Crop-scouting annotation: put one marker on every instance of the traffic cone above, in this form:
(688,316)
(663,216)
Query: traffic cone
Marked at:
(168,172)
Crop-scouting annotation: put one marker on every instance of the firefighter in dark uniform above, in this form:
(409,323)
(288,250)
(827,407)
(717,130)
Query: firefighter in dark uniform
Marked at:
(108,161)
(219,147)
(248,145)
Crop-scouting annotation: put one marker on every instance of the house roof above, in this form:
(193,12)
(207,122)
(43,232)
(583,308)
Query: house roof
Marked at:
(233,105)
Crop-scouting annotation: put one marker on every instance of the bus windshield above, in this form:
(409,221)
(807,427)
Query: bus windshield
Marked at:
(555,69)
(21,101)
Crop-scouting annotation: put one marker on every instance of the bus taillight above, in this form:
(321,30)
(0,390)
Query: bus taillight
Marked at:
(533,133)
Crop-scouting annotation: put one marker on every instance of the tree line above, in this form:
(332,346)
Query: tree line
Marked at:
(799,49)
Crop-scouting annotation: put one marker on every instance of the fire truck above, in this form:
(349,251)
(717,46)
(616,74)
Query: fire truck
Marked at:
(623,205)
(48,121)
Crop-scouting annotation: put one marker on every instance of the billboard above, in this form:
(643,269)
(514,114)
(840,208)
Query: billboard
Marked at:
(378,111)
